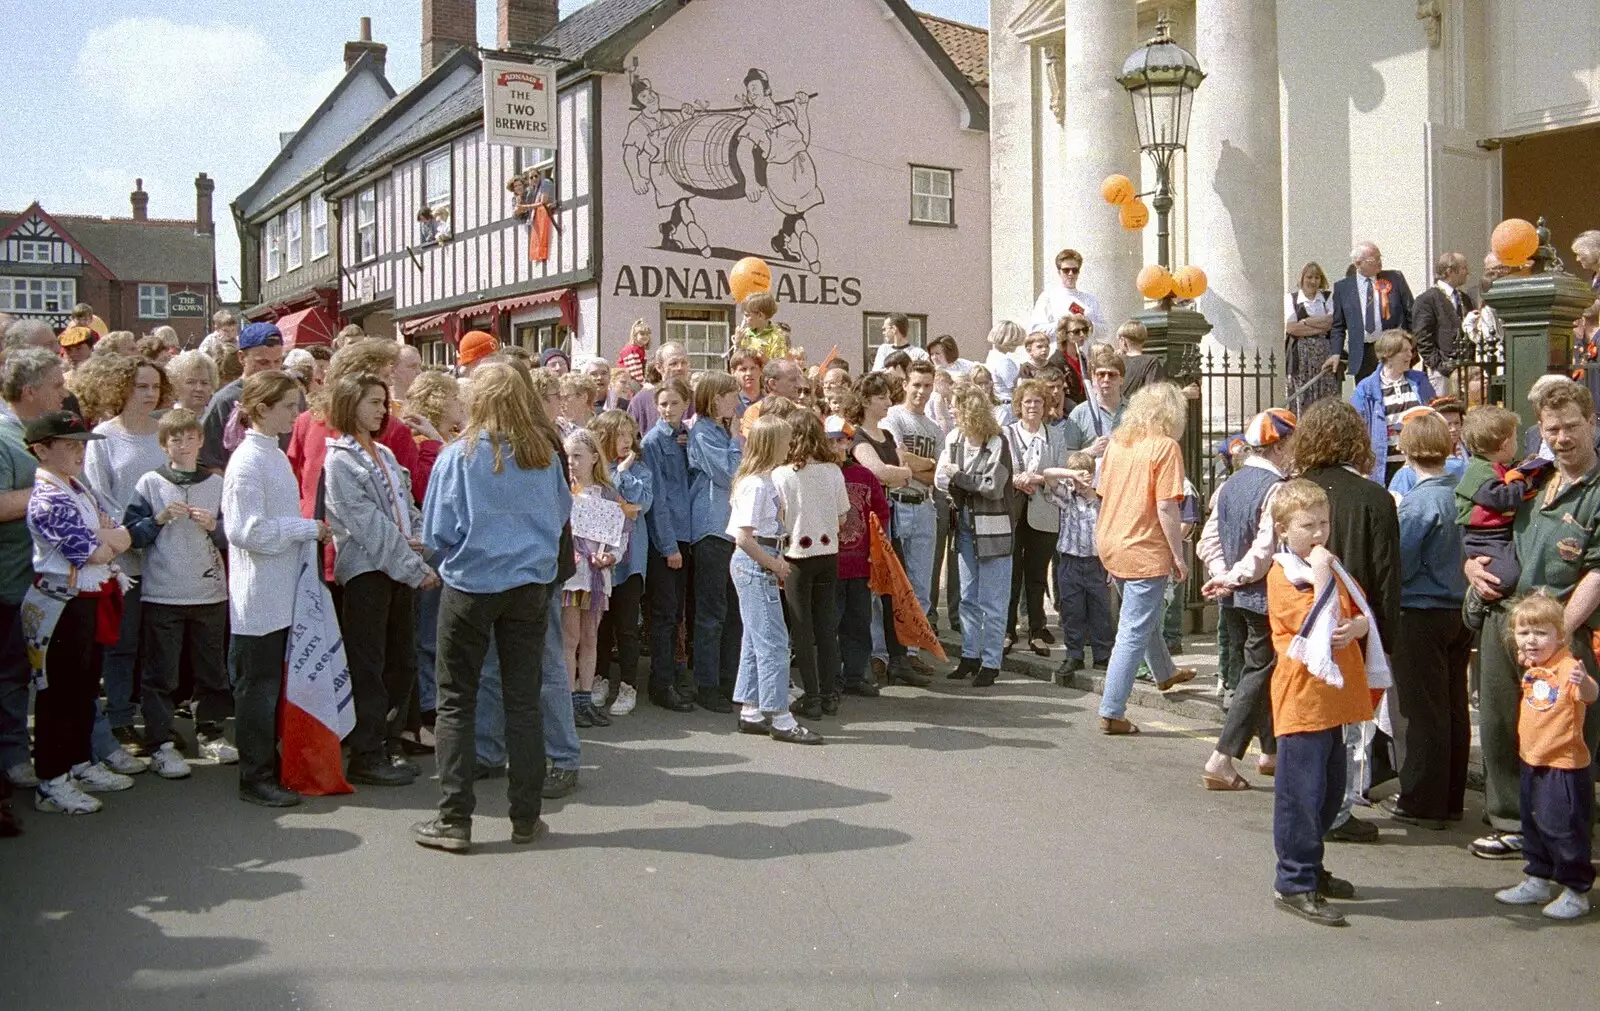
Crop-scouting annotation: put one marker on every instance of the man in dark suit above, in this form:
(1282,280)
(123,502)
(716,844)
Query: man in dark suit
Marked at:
(1365,304)
(1437,315)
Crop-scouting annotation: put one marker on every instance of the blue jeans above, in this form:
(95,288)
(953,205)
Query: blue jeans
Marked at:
(916,527)
(855,602)
(1138,638)
(555,702)
(1085,607)
(1305,797)
(985,591)
(427,648)
(716,616)
(120,665)
(764,646)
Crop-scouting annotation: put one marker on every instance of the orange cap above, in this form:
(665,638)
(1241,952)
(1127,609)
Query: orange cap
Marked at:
(476,346)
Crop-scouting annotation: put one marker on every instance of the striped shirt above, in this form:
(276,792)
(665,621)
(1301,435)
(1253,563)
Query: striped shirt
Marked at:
(1079,514)
(1398,398)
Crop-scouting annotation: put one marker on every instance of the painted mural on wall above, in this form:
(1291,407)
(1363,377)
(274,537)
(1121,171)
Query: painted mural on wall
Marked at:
(756,150)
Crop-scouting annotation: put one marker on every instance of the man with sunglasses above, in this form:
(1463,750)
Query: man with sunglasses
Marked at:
(1066,299)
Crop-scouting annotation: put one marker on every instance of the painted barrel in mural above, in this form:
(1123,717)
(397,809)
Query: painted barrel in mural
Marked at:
(702,155)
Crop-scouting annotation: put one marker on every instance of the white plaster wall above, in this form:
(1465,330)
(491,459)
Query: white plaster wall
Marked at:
(1014,134)
(1544,65)
(880,107)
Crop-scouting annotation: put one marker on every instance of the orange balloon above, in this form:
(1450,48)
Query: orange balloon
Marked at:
(1116,189)
(1154,282)
(1134,215)
(749,276)
(1514,241)
(1188,282)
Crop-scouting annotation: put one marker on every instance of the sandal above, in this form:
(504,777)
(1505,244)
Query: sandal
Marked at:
(1182,675)
(1267,768)
(1116,727)
(1212,781)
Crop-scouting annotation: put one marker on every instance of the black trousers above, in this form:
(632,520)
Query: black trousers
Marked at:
(1031,556)
(518,618)
(666,604)
(619,629)
(64,713)
(170,634)
(1251,712)
(1557,815)
(811,597)
(379,623)
(257,690)
(718,628)
(854,623)
(1430,685)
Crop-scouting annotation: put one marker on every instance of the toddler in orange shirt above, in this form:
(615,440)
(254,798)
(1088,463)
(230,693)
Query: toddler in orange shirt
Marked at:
(1318,617)
(1557,783)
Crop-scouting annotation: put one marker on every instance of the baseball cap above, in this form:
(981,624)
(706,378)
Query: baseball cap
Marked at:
(1227,447)
(72,336)
(838,428)
(260,335)
(57,425)
(476,346)
(1270,426)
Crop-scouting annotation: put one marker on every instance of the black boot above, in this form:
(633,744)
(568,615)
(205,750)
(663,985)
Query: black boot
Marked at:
(711,698)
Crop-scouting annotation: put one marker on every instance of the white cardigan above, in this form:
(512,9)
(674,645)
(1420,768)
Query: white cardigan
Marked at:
(266,536)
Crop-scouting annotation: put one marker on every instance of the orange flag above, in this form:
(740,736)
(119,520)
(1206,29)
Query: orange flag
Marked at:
(539,234)
(887,578)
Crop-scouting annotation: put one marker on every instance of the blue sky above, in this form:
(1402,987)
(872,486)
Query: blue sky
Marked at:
(100,93)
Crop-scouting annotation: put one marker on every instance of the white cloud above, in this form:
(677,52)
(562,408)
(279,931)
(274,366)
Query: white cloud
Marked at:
(184,99)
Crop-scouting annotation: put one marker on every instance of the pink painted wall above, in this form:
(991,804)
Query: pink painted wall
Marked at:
(879,106)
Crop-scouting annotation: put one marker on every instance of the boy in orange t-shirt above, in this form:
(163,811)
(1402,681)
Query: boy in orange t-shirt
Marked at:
(1557,782)
(1308,712)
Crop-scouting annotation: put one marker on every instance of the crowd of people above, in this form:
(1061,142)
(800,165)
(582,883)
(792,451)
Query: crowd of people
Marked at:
(505,540)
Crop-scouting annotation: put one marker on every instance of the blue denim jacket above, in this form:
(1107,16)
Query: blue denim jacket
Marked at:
(636,486)
(668,518)
(714,456)
(1431,556)
(492,532)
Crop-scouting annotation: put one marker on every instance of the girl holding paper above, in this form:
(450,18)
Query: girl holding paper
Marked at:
(585,597)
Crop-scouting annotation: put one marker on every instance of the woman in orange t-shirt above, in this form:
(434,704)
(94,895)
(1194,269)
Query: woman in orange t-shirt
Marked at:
(1140,540)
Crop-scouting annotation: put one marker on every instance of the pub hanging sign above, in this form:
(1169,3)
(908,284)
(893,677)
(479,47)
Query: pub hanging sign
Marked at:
(186,304)
(519,104)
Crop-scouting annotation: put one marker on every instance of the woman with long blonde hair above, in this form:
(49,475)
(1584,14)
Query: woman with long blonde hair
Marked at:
(492,520)
(975,469)
(758,567)
(1140,540)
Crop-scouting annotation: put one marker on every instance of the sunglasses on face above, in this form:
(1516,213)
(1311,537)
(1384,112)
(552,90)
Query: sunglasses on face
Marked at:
(1070,270)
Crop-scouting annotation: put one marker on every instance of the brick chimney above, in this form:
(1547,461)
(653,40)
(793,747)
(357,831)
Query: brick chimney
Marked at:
(140,200)
(203,187)
(524,22)
(353,51)
(447,25)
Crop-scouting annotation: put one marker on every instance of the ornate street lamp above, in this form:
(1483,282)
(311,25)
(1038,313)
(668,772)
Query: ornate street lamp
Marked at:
(1161,77)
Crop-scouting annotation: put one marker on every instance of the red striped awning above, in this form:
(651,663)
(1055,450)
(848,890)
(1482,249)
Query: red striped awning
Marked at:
(308,326)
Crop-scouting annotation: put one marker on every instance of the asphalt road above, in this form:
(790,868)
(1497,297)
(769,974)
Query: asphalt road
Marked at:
(946,848)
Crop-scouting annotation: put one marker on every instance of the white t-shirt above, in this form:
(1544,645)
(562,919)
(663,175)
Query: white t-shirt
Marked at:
(813,497)
(1055,302)
(755,504)
(1003,369)
(885,350)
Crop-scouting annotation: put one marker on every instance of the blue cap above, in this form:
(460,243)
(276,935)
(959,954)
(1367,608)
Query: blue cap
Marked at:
(258,335)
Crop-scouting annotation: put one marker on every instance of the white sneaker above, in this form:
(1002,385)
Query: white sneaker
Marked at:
(1569,905)
(22,776)
(94,777)
(120,761)
(62,796)
(168,764)
(1530,892)
(218,750)
(626,699)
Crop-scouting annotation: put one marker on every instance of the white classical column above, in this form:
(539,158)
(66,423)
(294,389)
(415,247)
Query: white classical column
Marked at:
(1101,140)
(1235,184)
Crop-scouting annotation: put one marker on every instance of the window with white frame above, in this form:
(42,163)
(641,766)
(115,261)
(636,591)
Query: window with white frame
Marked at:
(37,294)
(367,224)
(293,221)
(152,301)
(274,248)
(933,200)
(534,158)
(435,196)
(872,334)
(703,332)
(319,227)
(33,251)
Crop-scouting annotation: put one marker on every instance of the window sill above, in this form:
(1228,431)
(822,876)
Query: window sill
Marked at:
(931,224)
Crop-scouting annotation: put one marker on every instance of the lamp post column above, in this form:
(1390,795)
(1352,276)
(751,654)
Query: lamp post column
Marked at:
(1100,140)
(1235,174)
